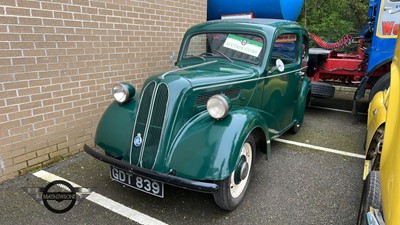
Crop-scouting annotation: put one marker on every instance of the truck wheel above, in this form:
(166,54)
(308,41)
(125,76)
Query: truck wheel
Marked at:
(322,90)
(371,196)
(382,84)
(232,190)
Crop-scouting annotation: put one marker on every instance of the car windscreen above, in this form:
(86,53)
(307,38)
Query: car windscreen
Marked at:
(232,46)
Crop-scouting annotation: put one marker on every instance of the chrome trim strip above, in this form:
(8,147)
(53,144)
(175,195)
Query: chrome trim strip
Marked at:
(244,81)
(188,67)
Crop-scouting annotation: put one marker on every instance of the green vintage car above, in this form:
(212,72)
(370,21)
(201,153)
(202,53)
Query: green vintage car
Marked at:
(237,85)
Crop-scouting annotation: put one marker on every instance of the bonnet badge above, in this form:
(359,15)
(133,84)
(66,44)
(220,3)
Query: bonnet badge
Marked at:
(138,140)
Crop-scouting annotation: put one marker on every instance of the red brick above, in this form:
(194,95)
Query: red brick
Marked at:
(54,37)
(24,157)
(47,150)
(63,15)
(34,52)
(32,37)
(43,124)
(40,96)
(9,2)
(9,37)
(30,105)
(72,23)
(28,4)
(19,115)
(9,20)
(43,30)
(72,8)
(14,153)
(53,22)
(23,61)
(30,21)
(52,6)
(9,125)
(28,91)
(18,11)
(38,160)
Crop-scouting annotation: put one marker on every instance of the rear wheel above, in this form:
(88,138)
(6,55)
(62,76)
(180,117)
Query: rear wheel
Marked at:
(382,84)
(232,190)
(295,128)
(371,196)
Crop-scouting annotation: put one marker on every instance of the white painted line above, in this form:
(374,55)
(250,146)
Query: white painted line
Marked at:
(337,110)
(106,202)
(320,148)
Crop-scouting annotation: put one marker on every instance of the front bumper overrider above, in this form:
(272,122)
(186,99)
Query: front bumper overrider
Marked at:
(165,178)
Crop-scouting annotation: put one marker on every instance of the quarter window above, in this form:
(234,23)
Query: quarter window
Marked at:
(285,49)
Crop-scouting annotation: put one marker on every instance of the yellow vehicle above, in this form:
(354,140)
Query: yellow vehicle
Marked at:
(380,202)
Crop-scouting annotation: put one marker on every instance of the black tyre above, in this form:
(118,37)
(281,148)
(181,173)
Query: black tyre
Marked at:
(231,192)
(382,84)
(371,196)
(322,90)
(295,129)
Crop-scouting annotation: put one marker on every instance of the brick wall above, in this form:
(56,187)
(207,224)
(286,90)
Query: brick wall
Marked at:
(59,60)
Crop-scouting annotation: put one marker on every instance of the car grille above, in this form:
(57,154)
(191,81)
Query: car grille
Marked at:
(149,124)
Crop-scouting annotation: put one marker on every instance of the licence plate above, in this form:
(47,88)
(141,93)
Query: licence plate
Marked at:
(140,183)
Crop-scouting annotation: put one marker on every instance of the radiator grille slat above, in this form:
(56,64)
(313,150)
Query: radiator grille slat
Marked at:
(153,135)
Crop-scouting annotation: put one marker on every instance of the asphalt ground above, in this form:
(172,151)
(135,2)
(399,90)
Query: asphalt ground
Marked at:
(297,185)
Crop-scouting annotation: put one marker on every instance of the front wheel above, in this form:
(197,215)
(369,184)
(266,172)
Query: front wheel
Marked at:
(232,190)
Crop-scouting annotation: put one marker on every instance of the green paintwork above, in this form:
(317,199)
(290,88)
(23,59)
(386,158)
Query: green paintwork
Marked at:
(114,131)
(209,148)
(194,145)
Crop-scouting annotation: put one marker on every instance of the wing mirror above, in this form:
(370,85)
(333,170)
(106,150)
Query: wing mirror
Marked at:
(278,65)
(172,58)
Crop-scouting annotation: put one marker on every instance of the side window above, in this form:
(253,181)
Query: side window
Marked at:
(285,49)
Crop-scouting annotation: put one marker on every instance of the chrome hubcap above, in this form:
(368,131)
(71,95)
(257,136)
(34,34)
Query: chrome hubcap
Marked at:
(237,189)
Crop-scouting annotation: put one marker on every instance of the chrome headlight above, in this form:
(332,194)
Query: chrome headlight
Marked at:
(218,106)
(123,92)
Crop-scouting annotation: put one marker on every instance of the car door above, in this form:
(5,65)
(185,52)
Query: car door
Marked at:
(282,81)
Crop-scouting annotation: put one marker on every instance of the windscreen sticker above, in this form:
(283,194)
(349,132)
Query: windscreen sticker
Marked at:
(243,45)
